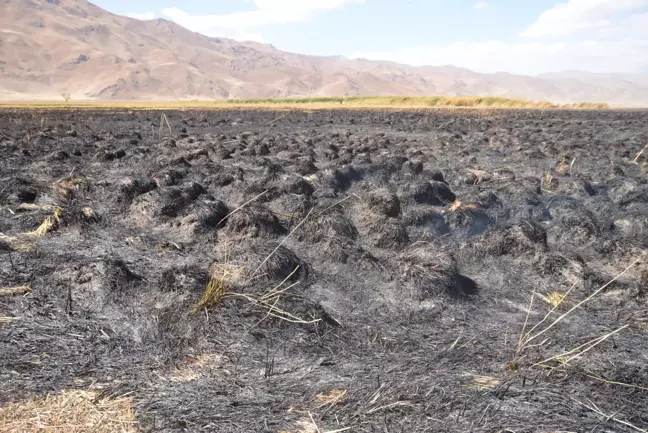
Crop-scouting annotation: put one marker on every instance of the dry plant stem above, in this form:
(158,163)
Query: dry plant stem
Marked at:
(582,348)
(334,204)
(526,321)
(163,117)
(281,314)
(558,320)
(276,293)
(612,382)
(240,207)
(168,125)
(524,338)
(636,160)
(612,417)
(274,120)
(313,421)
(22,290)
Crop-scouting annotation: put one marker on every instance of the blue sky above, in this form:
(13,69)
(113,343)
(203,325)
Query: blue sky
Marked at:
(529,37)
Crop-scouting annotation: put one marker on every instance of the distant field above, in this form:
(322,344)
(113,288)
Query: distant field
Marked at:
(315,103)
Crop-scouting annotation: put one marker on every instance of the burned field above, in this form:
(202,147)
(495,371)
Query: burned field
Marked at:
(364,271)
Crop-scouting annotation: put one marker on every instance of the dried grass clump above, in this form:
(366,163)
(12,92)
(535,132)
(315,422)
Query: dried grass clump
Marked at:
(427,217)
(66,189)
(482,383)
(224,276)
(50,223)
(384,202)
(206,215)
(131,188)
(326,225)
(565,167)
(70,411)
(434,273)
(387,233)
(249,266)
(576,229)
(432,193)
(340,250)
(280,263)
(553,298)
(214,293)
(519,238)
(253,221)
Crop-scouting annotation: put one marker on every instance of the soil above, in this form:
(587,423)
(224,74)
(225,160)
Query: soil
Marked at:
(403,256)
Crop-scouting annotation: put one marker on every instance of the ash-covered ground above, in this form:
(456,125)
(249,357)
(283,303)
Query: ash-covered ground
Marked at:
(369,271)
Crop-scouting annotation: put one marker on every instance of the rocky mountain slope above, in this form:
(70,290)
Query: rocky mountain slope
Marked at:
(49,47)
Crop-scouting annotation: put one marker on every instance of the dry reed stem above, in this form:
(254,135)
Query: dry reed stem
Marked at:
(580,350)
(335,204)
(612,417)
(636,160)
(525,337)
(12,291)
(278,118)
(34,206)
(164,117)
(612,382)
(589,298)
(526,321)
(275,290)
(272,309)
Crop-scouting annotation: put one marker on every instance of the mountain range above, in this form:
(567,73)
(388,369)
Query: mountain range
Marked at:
(51,47)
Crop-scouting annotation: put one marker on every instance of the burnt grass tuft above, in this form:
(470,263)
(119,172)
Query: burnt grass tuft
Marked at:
(371,270)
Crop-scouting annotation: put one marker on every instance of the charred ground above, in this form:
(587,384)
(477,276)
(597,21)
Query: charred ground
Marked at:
(369,271)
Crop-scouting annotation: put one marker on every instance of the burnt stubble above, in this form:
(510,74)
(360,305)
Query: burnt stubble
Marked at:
(400,249)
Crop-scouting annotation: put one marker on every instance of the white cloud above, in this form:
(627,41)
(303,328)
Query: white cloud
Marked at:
(481,5)
(243,25)
(527,58)
(591,35)
(580,15)
(142,16)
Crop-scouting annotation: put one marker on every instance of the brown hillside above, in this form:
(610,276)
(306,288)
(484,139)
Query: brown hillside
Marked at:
(48,47)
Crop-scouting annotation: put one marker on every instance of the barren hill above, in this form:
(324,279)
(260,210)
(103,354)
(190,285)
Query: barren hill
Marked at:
(48,47)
